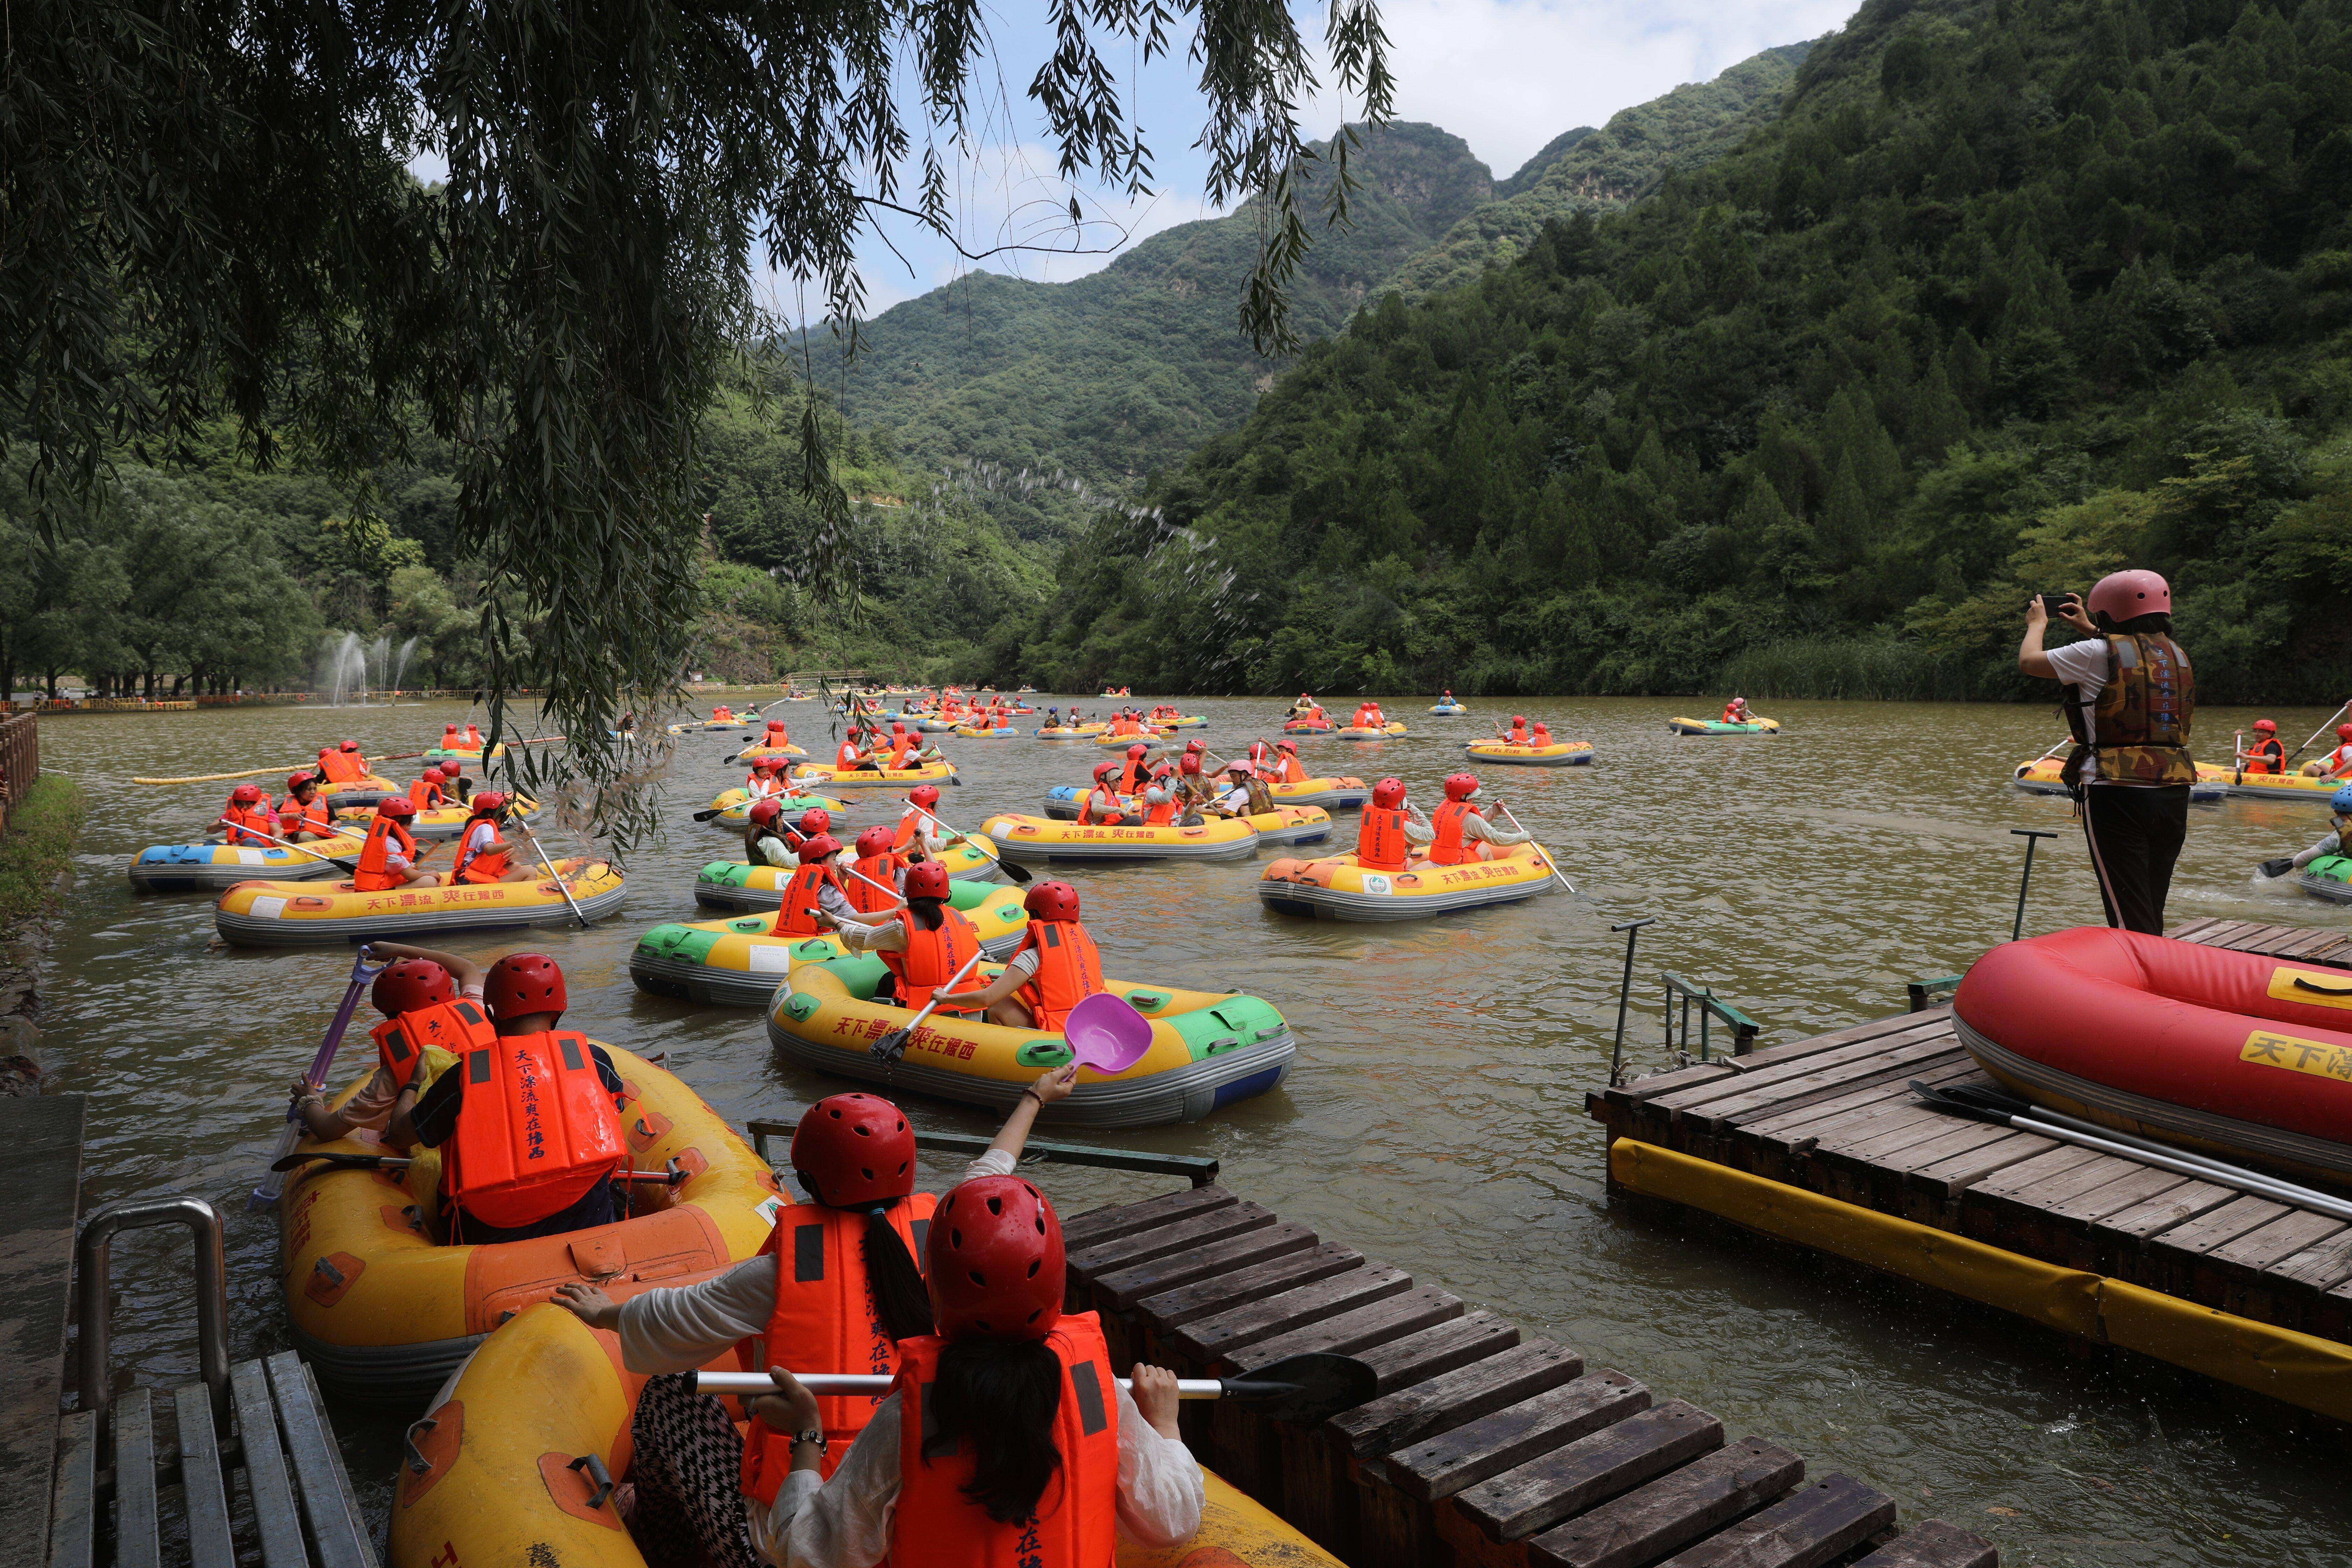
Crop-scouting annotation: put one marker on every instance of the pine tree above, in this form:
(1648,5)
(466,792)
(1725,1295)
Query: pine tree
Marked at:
(1937,420)
(1970,372)
(1845,528)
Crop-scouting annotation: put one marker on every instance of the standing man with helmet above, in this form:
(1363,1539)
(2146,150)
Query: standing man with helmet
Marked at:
(2129,703)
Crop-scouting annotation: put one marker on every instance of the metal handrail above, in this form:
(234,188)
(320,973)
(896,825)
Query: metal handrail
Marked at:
(1924,993)
(1744,1029)
(1193,1168)
(93,1265)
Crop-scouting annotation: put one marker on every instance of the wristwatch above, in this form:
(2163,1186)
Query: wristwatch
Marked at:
(813,1435)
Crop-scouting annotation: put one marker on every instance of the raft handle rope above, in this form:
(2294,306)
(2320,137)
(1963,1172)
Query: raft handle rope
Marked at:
(1981,1103)
(598,1474)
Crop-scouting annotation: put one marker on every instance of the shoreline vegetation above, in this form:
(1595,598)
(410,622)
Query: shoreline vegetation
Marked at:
(35,853)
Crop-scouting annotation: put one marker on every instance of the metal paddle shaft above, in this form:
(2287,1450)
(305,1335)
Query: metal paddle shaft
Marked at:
(288,844)
(2025,879)
(1304,1389)
(265,1195)
(893,1046)
(524,828)
(2332,720)
(1541,854)
(1019,874)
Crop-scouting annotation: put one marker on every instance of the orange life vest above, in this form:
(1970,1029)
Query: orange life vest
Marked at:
(293,816)
(1453,845)
(933,957)
(910,823)
(1733,713)
(1539,736)
(778,735)
(1086,816)
(793,918)
(847,756)
(903,748)
(866,900)
(426,793)
(2266,756)
(536,1130)
(375,872)
(1289,771)
(823,1320)
(1069,971)
(1075,1524)
(1131,775)
(455,1027)
(1162,812)
(1518,736)
(1380,843)
(489,865)
(1368,718)
(474,736)
(340,767)
(254,826)
(723,715)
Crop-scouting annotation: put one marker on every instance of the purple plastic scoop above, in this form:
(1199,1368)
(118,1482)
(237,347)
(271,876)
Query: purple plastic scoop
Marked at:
(1107,1034)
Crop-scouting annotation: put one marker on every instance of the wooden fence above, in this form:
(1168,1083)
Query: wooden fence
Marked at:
(20,756)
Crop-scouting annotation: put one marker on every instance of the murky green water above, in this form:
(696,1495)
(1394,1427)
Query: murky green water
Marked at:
(1436,1117)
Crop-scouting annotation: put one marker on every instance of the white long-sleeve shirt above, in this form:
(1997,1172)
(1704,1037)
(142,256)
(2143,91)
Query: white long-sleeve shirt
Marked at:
(2333,843)
(846,1523)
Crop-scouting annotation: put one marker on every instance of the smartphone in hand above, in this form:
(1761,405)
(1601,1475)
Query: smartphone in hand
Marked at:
(2056,605)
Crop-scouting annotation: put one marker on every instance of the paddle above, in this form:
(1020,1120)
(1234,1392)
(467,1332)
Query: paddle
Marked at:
(1540,853)
(893,1046)
(1982,1102)
(2274,870)
(1014,873)
(2291,756)
(672,1177)
(553,875)
(352,866)
(265,1195)
(1303,1389)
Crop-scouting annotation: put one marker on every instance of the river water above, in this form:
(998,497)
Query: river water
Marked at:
(1436,1119)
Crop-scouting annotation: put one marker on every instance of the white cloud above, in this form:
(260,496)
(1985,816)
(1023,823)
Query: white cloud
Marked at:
(1507,76)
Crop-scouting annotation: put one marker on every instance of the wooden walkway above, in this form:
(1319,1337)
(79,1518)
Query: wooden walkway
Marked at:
(1484,1449)
(1833,1115)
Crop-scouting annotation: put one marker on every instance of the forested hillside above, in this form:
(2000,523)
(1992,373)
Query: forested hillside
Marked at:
(2008,294)
(1601,170)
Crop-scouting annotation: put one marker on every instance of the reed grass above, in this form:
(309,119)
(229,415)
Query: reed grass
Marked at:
(37,846)
(1884,669)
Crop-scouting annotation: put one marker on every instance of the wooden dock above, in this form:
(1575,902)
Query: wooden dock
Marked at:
(1484,1449)
(1832,1117)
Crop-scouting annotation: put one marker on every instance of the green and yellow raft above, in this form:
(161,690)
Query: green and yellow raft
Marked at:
(739,963)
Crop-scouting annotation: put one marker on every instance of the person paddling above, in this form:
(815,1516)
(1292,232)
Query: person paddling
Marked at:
(2336,840)
(2335,762)
(864,1225)
(2268,752)
(388,856)
(1103,807)
(246,819)
(433,1011)
(484,856)
(917,824)
(815,889)
(923,947)
(1386,833)
(1056,967)
(303,813)
(1459,830)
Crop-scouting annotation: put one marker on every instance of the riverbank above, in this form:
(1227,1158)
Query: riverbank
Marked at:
(36,865)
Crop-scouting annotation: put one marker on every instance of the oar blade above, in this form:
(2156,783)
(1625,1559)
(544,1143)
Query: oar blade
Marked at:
(890,1046)
(1305,1389)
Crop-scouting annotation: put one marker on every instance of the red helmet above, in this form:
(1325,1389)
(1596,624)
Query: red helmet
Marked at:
(924,796)
(818,846)
(351,745)
(524,983)
(411,984)
(452,767)
(1190,764)
(2344,732)
(448,729)
(1461,786)
(297,782)
(489,803)
(2121,596)
(815,820)
(1519,719)
(765,812)
(2265,725)
(396,805)
(1388,793)
(1104,771)
(874,841)
(245,795)
(1138,750)
(1052,901)
(1196,744)
(994,1262)
(897,728)
(927,879)
(1286,745)
(854,1150)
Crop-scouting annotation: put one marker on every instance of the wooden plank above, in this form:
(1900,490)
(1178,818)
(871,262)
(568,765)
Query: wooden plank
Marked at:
(341,1535)
(1709,1103)
(137,1543)
(1126,1287)
(2060,1186)
(1779,1120)
(1889,1135)
(2327,1264)
(1550,1488)
(1345,1334)
(1802,1530)
(1934,1544)
(1174,1308)
(73,1496)
(1964,1155)
(265,1470)
(1438,1349)
(1635,1094)
(2021,1179)
(2165,1210)
(1119,1253)
(1442,1465)
(1123,1219)
(335,1457)
(2136,1186)
(1672,1511)
(41,1161)
(2227,1223)
(1891,1072)
(1423,1410)
(210,1544)
(1223,1333)
(2277,1241)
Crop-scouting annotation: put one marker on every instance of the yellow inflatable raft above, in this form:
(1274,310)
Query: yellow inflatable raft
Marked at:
(825,776)
(739,888)
(1208,1049)
(1040,838)
(1149,735)
(1002,733)
(1558,754)
(1340,888)
(1351,732)
(304,914)
(441,822)
(734,806)
(1331,794)
(490,1484)
(386,1312)
(1071,732)
(739,963)
(753,753)
(2213,784)
(191,868)
(366,790)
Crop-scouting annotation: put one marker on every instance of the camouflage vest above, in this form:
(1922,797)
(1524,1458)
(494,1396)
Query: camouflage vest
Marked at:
(2144,713)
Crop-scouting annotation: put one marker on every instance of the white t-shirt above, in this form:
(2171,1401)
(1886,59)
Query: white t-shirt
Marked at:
(2083,665)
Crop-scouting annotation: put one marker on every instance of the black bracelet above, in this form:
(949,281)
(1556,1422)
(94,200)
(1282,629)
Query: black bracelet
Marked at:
(1033,1094)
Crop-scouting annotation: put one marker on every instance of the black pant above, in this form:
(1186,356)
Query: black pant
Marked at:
(2135,832)
(592,1208)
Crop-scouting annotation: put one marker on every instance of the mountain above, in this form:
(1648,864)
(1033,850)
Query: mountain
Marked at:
(1600,171)
(2006,295)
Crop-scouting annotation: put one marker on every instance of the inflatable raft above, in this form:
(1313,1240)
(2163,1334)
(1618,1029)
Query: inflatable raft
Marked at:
(353,793)
(2041,777)
(1717,726)
(443,822)
(495,1488)
(2233,1052)
(753,753)
(2273,786)
(469,756)
(1208,1049)
(1340,888)
(1449,708)
(1005,732)
(1071,732)
(1330,793)
(739,963)
(831,777)
(1306,727)
(1285,824)
(2328,877)
(1349,733)
(306,914)
(739,888)
(1149,735)
(187,867)
(734,806)
(1558,754)
(1038,839)
(386,1312)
